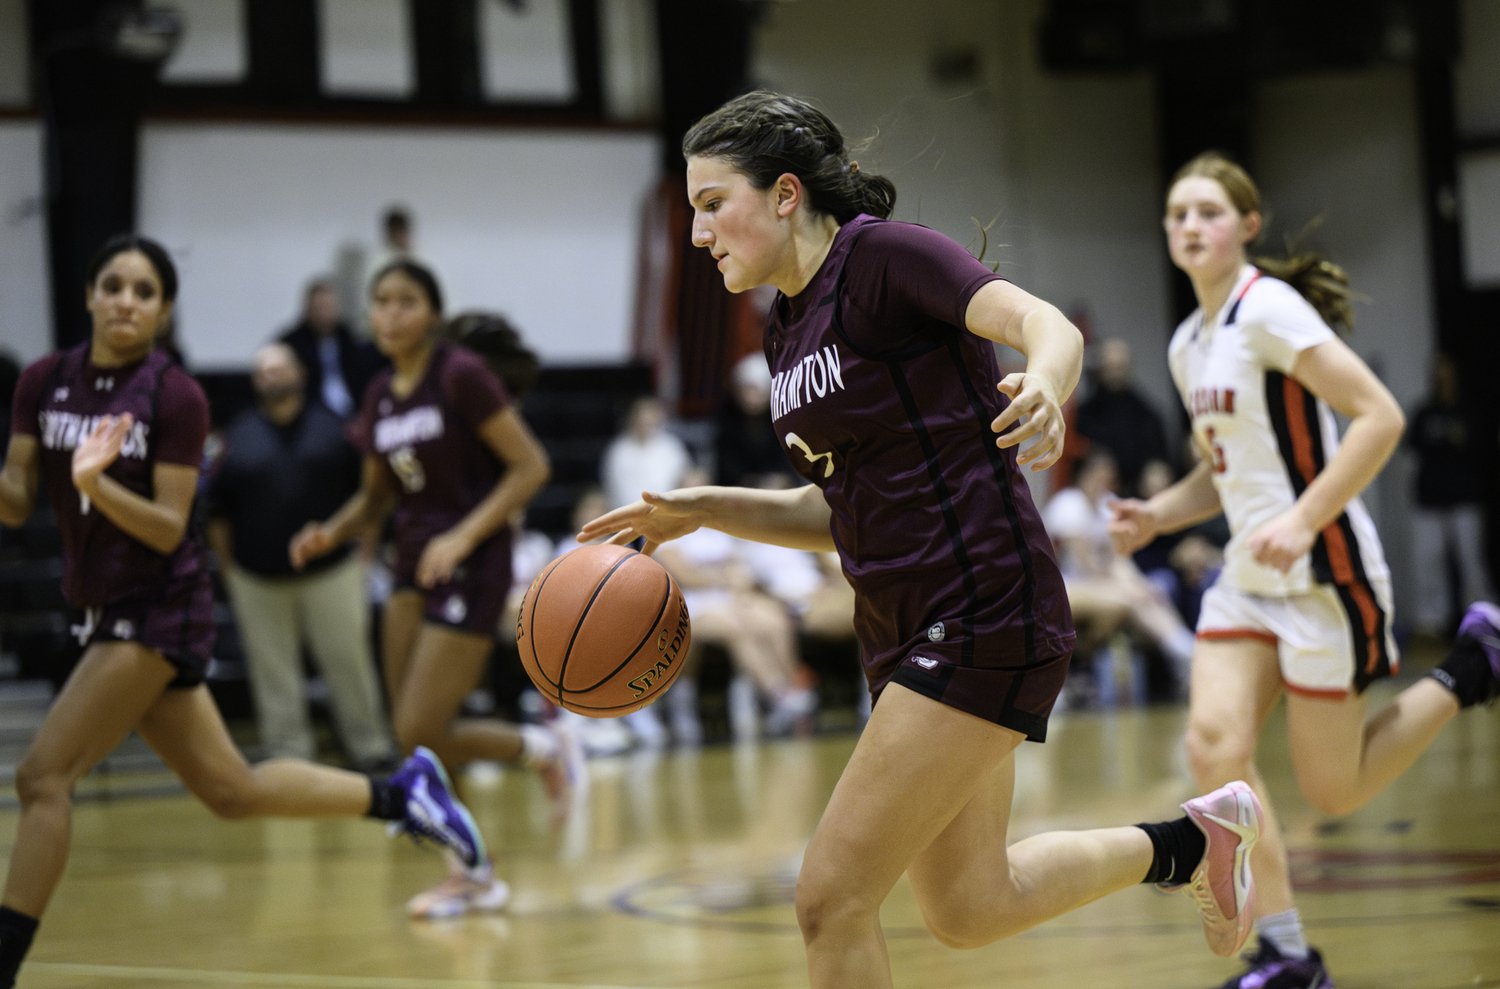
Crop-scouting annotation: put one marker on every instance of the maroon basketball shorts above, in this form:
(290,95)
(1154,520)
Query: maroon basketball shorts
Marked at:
(1018,697)
(473,599)
(178,623)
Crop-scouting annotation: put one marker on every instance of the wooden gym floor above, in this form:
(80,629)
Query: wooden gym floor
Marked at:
(678,872)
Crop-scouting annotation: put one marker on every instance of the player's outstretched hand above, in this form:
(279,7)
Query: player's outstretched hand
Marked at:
(1031,395)
(1281,541)
(658,518)
(99,449)
(1133,525)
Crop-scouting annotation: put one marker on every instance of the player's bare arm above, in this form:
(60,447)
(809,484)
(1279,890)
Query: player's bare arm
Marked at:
(1334,373)
(795,517)
(526,470)
(158,522)
(18,481)
(1002,312)
(370,505)
(1191,500)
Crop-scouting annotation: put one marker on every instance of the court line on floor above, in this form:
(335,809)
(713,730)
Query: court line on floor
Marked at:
(227,978)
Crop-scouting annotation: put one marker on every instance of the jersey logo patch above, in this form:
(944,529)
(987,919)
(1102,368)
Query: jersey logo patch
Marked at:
(792,439)
(924,662)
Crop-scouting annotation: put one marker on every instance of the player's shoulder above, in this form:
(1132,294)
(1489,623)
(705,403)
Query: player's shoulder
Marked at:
(175,377)
(1269,298)
(900,236)
(40,370)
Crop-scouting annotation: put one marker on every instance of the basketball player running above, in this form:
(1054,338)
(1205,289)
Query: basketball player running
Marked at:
(117,430)
(886,389)
(1303,605)
(448,452)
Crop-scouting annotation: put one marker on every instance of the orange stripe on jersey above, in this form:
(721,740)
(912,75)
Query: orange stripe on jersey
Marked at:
(1296,421)
(1369,613)
(1341,563)
(1220,634)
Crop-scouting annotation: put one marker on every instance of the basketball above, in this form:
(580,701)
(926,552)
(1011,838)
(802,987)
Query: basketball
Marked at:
(603,631)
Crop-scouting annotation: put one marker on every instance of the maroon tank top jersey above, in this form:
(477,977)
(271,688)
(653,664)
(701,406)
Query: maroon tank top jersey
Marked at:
(59,399)
(429,441)
(883,400)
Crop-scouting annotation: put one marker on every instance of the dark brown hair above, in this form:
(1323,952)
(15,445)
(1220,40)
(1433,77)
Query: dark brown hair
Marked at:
(491,336)
(767,135)
(1321,282)
(166,271)
(418,273)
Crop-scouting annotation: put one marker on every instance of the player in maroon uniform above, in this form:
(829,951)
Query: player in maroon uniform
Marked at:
(886,390)
(116,429)
(447,451)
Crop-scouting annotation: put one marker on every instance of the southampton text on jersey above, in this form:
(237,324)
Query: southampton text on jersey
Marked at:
(425,422)
(819,373)
(65,430)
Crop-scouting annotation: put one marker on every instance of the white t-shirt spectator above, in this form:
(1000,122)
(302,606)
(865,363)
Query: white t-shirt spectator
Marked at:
(1073,522)
(631,466)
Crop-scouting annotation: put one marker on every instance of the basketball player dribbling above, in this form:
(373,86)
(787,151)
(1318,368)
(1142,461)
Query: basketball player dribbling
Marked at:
(885,395)
(1303,606)
(117,430)
(448,452)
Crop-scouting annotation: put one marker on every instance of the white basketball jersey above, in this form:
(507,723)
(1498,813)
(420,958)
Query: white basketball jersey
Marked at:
(1268,436)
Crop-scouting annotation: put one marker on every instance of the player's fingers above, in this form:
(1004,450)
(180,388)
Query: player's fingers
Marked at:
(1021,433)
(649,547)
(622,538)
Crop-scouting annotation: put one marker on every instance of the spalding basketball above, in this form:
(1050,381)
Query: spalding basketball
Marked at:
(603,631)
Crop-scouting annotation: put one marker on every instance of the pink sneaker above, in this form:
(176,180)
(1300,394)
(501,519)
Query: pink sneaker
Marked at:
(1222,886)
(464,891)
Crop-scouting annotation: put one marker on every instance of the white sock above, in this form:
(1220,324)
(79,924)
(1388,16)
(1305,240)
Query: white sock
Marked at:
(538,744)
(1284,930)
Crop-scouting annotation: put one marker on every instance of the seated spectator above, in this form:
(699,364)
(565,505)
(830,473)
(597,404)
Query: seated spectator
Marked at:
(645,457)
(1108,592)
(754,628)
(286,462)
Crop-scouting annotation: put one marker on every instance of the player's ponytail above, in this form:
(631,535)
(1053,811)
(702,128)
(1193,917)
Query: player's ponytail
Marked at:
(767,135)
(492,337)
(1321,282)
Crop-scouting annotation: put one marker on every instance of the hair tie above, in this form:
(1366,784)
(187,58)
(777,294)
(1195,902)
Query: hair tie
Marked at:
(854,168)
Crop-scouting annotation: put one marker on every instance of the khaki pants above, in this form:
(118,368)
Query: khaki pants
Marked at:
(328,608)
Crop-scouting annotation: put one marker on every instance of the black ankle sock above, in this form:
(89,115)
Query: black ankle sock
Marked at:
(16,932)
(1178,847)
(387,802)
(1466,672)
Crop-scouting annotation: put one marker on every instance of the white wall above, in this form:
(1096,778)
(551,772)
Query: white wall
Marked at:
(540,225)
(25,294)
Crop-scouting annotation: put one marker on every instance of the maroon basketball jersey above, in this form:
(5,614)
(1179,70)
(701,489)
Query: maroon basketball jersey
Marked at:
(430,442)
(884,400)
(59,400)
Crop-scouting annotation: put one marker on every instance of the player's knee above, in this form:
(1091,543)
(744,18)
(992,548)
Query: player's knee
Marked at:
(961,933)
(1213,750)
(822,907)
(1329,797)
(37,783)
(229,800)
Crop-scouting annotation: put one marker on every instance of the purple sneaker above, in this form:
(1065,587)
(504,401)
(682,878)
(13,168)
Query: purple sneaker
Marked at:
(1481,623)
(1268,968)
(1221,886)
(433,813)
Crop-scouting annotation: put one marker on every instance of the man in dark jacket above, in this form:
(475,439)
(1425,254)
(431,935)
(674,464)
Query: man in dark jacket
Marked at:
(339,365)
(286,462)
(1119,419)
